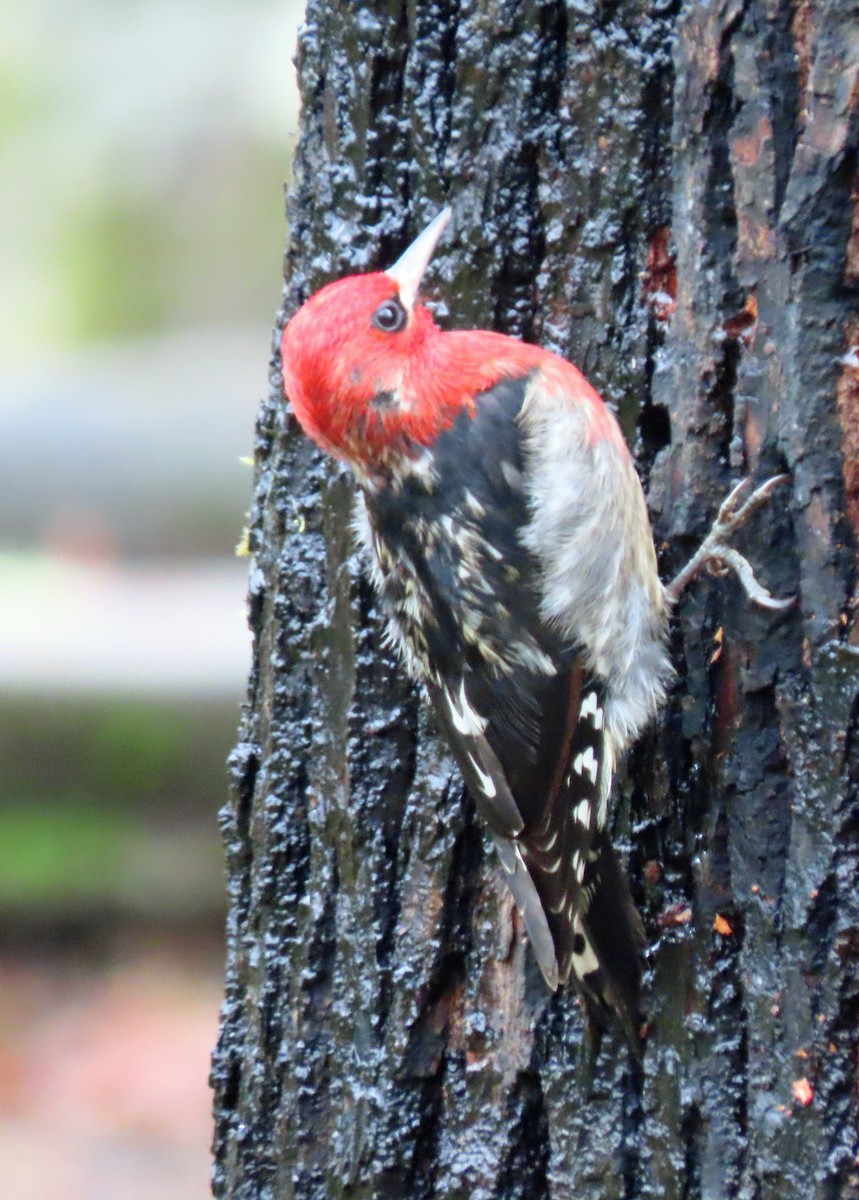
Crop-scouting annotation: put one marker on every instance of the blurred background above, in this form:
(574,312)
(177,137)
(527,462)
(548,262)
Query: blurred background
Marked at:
(144,152)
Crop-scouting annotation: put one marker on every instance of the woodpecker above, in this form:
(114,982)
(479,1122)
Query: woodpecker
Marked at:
(509,540)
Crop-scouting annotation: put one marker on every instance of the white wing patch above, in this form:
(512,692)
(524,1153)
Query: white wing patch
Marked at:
(585,962)
(582,812)
(547,845)
(591,708)
(465,719)
(578,865)
(586,761)
(486,784)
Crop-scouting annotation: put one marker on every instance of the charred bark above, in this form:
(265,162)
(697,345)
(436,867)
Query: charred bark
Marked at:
(667,194)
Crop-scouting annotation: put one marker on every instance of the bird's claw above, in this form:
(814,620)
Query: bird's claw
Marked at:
(715,553)
(729,518)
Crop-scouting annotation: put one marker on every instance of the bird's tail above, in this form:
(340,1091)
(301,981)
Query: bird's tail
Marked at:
(614,936)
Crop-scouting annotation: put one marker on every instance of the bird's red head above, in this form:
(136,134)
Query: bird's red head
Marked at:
(371,377)
(350,355)
(357,361)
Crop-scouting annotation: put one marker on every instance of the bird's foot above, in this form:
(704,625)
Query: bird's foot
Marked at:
(715,553)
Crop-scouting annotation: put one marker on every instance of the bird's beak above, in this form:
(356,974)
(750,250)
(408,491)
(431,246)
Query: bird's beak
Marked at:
(408,271)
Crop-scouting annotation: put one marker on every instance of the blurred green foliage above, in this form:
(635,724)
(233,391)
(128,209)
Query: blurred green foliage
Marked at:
(109,806)
(163,756)
(56,854)
(86,862)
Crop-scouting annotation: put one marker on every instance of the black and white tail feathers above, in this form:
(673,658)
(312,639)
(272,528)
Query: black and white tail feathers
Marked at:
(614,930)
(597,932)
(546,805)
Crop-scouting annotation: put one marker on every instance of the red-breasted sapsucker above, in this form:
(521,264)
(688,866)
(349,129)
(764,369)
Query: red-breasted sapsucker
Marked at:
(511,546)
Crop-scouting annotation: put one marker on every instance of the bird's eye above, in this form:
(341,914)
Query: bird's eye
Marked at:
(390,317)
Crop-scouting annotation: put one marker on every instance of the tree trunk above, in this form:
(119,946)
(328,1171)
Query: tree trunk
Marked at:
(664,193)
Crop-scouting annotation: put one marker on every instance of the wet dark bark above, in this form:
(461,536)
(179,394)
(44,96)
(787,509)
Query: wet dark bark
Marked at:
(666,194)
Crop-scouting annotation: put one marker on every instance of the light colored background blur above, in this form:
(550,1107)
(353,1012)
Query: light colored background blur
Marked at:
(143,150)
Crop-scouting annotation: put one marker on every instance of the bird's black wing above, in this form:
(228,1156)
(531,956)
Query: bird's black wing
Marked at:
(520,710)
